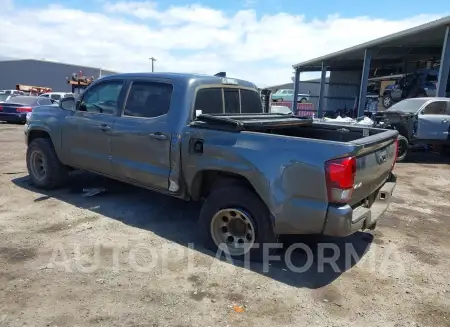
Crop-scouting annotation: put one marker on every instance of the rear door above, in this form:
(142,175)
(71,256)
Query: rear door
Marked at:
(140,143)
(434,121)
(86,135)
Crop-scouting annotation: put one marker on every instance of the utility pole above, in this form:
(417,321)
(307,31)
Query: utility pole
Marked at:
(153,63)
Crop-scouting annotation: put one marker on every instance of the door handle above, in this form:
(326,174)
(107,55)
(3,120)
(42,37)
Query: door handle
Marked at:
(158,136)
(105,127)
(444,121)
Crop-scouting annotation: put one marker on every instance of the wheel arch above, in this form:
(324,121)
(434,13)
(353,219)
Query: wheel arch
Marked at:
(207,180)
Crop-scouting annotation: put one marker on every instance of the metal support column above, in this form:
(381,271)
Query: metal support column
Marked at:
(296,81)
(321,90)
(445,65)
(364,80)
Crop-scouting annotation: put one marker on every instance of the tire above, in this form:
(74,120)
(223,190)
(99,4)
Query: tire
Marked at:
(387,101)
(302,100)
(44,167)
(219,205)
(402,148)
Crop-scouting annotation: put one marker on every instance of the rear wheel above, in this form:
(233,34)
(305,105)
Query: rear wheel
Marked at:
(302,100)
(402,148)
(44,167)
(235,220)
(387,101)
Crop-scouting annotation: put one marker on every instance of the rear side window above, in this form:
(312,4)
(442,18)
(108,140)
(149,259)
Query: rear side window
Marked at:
(148,99)
(232,104)
(209,101)
(250,102)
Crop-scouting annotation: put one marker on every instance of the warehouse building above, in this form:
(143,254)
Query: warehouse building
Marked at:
(412,51)
(43,73)
(312,86)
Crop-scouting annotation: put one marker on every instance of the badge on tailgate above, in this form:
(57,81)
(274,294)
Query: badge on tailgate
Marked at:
(381,156)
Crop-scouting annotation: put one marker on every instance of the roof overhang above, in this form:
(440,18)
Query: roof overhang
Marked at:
(413,44)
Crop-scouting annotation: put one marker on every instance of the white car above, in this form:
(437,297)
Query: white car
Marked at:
(280,110)
(56,96)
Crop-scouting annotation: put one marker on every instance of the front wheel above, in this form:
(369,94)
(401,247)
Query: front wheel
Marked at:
(44,167)
(236,221)
(302,100)
(402,148)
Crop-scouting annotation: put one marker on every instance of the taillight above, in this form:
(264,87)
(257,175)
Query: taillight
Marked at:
(24,109)
(340,177)
(1,108)
(396,153)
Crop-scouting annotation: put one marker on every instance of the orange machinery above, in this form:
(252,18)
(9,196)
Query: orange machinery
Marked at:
(33,90)
(79,82)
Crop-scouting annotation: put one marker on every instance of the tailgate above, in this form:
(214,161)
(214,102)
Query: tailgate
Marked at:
(374,162)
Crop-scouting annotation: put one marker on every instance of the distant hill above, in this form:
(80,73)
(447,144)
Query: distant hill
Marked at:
(6,58)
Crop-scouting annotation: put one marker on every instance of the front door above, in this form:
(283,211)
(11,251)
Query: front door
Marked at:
(434,121)
(141,138)
(86,134)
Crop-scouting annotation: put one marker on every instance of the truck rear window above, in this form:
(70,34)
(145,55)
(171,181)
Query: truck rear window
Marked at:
(210,101)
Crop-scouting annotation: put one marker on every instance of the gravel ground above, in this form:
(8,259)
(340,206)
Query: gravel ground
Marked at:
(129,257)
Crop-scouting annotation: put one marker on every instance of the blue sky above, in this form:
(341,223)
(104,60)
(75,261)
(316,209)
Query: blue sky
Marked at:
(258,40)
(386,9)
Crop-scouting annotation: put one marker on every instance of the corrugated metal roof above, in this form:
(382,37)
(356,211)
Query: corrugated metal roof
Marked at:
(439,23)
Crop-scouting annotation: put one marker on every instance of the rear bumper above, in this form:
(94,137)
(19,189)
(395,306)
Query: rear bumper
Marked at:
(13,117)
(344,220)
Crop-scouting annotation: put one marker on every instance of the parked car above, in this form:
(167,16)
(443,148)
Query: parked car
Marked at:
(56,96)
(12,92)
(419,121)
(205,138)
(418,84)
(5,96)
(288,95)
(15,108)
(280,110)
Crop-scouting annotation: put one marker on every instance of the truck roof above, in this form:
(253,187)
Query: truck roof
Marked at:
(183,77)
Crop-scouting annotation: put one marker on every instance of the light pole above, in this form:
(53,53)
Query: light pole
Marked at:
(153,63)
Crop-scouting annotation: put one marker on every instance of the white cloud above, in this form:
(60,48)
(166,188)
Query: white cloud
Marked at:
(185,38)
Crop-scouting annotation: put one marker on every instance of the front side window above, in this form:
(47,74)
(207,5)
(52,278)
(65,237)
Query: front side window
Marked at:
(55,96)
(102,98)
(436,108)
(148,99)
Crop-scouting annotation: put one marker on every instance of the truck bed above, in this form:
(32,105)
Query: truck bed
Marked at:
(373,148)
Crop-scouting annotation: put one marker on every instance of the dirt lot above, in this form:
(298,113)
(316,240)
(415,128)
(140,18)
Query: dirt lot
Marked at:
(129,257)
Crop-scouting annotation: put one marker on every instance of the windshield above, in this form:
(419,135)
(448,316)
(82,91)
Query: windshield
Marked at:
(408,105)
(22,100)
(3,97)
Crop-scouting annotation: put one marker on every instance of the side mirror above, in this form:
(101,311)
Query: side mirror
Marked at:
(67,103)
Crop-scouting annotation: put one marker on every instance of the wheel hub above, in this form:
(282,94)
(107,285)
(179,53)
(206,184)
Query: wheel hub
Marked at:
(38,165)
(233,229)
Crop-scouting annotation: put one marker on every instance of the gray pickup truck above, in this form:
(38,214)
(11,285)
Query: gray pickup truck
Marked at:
(205,138)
